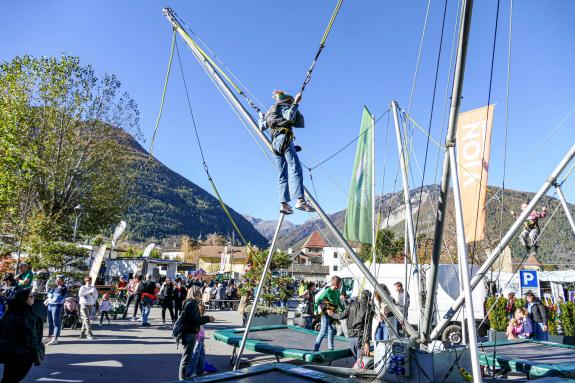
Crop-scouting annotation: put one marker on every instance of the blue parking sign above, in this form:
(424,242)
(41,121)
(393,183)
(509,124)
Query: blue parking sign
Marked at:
(528,279)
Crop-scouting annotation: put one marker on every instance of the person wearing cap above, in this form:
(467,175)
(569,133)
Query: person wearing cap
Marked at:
(538,315)
(280,119)
(55,303)
(25,277)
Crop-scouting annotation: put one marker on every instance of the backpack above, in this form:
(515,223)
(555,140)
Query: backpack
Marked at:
(180,325)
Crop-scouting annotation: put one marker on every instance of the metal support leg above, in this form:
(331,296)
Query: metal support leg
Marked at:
(462,254)
(565,207)
(258,293)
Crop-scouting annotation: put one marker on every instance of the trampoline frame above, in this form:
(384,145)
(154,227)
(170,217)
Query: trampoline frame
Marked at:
(526,366)
(233,337)
(301,372)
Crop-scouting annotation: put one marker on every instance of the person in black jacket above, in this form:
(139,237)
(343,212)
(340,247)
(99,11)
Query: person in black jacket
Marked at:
(180,293)
(538,315)
(192,322)
(167,299)
(359,316)
(20,337)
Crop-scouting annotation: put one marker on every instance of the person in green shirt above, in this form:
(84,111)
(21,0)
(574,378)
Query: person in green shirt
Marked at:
(25,277)
(326,300)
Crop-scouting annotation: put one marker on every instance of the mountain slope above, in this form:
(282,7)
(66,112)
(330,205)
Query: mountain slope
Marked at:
(267,227)
(557,244)
(165,204)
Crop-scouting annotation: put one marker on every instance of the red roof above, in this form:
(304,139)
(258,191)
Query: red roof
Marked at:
(315,241)
(533,261)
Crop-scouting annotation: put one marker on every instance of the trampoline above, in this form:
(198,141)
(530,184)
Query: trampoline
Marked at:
(272,372)
(285,342)
(536,359)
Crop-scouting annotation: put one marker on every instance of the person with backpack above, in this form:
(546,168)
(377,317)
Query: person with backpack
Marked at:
(280,119)
(187,327)
(359,315)
(167,299)
(20,337)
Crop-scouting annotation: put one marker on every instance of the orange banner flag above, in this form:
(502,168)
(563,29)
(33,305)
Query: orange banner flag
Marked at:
(473,145)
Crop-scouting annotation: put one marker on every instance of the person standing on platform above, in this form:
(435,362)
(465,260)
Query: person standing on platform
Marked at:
(538,315)
(328,299)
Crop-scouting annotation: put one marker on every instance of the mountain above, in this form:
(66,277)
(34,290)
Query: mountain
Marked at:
(557,243)
(267,228)
(166,204)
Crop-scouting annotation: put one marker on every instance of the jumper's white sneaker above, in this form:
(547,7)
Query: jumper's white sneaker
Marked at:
(303,205)
(53,341)
(47,340)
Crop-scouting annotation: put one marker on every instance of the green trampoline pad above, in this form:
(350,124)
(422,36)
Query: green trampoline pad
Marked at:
(536,359)
(286,342)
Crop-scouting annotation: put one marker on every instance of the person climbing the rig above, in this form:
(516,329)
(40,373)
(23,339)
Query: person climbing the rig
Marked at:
(530,235)
(280,119)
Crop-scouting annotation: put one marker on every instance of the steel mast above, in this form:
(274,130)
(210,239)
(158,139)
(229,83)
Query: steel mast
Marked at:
(212,72)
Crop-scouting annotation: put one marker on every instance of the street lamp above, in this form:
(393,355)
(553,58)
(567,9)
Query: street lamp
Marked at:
(77,212)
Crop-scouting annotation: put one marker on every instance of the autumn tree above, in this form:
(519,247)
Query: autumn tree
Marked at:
(60,146)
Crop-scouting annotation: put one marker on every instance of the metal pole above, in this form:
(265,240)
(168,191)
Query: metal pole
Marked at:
(408,212)
(458,76)
(565,206)
(478,277)
(373,220)
(462,254)
(258,292)
(75,228)
(387,299)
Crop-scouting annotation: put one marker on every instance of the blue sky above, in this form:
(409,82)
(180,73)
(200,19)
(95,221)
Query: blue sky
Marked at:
(369,60)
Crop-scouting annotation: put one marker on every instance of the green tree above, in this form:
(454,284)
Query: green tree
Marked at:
(256,262)
(60,146)
(387,247)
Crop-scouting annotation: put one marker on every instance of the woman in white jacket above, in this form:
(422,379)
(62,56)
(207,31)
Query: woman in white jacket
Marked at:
(88,296)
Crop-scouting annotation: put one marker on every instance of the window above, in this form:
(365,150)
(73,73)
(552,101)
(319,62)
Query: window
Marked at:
(335,255)
(335,268)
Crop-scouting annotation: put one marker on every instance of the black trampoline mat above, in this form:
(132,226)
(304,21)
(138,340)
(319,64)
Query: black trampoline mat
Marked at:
(288,338)
(270,376)
(533,352)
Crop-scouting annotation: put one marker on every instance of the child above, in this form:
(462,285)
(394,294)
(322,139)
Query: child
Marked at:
(513,329)
(105,308)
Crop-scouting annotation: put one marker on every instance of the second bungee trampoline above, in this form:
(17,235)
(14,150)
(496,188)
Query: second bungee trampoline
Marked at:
(285,342)
(533,358)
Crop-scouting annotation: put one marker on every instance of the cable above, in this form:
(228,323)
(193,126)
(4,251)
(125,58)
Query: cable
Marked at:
(321,45)
(431,113)
(163,91)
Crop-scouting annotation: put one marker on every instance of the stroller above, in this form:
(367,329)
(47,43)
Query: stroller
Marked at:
(71,316)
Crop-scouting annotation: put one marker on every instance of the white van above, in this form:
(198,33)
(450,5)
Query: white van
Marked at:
(448,289)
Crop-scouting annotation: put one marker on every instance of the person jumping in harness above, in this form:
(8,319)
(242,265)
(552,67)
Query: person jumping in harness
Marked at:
(280,119)
(530,234)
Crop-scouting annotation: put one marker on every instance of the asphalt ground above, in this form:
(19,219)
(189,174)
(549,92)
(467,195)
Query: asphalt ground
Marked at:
(123,351)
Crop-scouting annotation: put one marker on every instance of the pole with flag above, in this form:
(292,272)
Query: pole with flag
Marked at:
(360,213)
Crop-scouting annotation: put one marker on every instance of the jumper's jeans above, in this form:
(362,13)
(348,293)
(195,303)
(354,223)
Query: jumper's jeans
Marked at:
(290,178)
(529,237)
(327,327)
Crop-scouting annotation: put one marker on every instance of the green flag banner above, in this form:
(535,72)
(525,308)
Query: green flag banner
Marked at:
(359,216)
